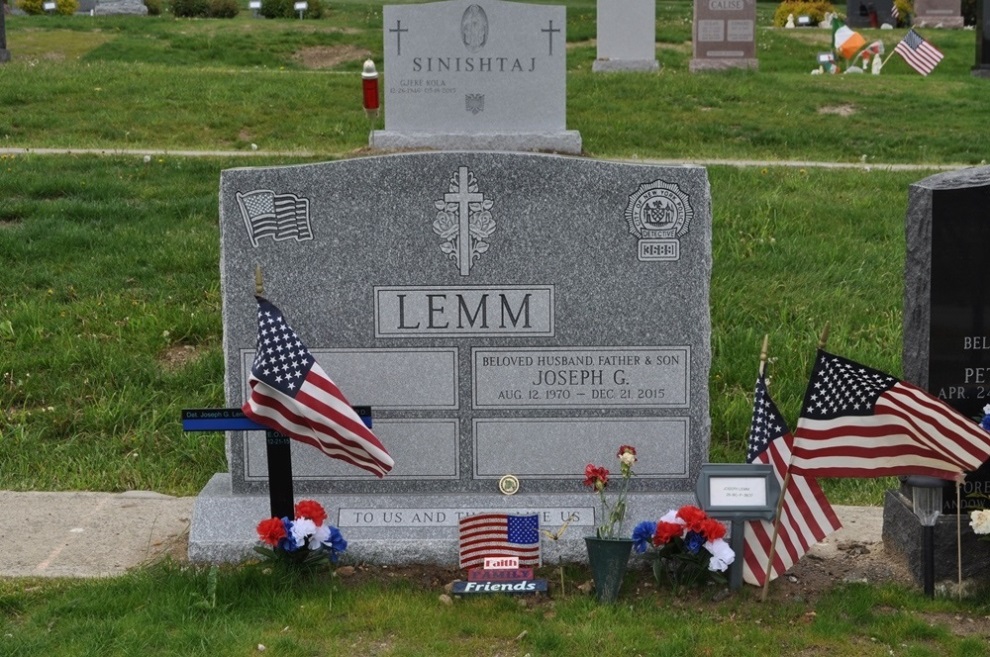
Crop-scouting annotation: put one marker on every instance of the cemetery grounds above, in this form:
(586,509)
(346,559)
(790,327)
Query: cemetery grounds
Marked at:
(109,313)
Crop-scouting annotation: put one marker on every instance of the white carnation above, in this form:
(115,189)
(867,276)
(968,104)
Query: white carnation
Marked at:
(980,521)
(627,459)
(301,529)
(722,555)
(671,516)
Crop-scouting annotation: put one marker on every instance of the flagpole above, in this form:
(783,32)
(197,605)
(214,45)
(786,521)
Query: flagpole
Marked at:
(780,501)
(259,286)
(959,536)
(822,340)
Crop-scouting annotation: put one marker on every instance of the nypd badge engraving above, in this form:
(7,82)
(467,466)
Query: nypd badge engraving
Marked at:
(658,213)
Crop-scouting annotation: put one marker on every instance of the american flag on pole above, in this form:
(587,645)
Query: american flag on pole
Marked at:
(292,394)
(499,535)
(806,516)
(859,422)
(918,53)
(279,216)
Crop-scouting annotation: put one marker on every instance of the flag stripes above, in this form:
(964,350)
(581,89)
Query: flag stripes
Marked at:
(918,53)
(806,517)
(292,394)
(859,422)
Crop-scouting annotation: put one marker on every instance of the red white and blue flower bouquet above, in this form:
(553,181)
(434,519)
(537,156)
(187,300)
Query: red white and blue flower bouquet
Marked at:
(305,539)
(687,547)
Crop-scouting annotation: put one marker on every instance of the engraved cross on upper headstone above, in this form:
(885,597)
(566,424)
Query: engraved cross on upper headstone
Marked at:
(462,197)
(398,30)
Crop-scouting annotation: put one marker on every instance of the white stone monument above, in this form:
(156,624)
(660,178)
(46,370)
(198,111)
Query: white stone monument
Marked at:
(626,36)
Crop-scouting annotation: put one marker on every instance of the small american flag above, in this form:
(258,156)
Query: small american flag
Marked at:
(279,216)
(859,422)
(918,53)
(499,535)
(806,517)
(292,394)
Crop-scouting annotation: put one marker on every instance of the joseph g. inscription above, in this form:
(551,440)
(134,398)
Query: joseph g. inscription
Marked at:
(596,377)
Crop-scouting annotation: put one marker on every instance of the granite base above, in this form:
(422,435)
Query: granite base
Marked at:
(566,142)
(902,535)
(700,65)
(624,65)
(223,524)
(4,56)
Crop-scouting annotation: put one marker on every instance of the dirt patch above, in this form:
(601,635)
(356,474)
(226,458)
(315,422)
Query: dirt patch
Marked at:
(178,356)
(841,110)
(321,57)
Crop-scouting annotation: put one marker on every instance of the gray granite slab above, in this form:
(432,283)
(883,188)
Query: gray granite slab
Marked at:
(502,313)
(724,35)
(626,36)
(475,74)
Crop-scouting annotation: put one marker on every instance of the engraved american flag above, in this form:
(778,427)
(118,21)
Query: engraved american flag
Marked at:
(279,216)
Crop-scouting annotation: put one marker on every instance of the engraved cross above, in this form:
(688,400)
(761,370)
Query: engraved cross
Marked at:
(398,36)
(550,32)
(462,197)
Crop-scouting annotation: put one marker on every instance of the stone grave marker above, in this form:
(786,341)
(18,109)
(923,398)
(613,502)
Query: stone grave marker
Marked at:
(626,36)
(475,74)
(982,66)
(938,13)
(864,13)
(724,35)
(501,313)
(947,342)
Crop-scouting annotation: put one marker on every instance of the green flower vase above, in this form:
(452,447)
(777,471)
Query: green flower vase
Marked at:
(608,558)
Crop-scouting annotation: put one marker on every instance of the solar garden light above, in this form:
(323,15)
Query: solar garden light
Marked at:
(926,501)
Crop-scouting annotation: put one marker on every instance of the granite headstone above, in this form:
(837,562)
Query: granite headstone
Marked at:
(626,36)
(947,330)
(869,13)
(476,74)
(982,66)
(724,35)
(502,314)
(938,13)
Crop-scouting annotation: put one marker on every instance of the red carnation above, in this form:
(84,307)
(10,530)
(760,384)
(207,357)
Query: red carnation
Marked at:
(271,531)
(595,476)
(312,510)
(692,516)
(667,531)
(712,529)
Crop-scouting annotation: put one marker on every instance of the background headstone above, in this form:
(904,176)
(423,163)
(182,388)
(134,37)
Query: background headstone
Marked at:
(476,74)
(626,36)
(982,67)
(947,333)
(121,8)
(862,13)
(938,13)
(724,35)
(502,313)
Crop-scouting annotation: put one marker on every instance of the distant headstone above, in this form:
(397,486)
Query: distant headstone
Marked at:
(947,327)
(941,13)
(982,67)
(120,8)
(626,36)
(724,35)
(476,74)
(867,13)
(501,313)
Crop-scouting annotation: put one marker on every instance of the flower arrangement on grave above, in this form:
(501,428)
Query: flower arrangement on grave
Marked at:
(305,539)
(597,478)
(687,547)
